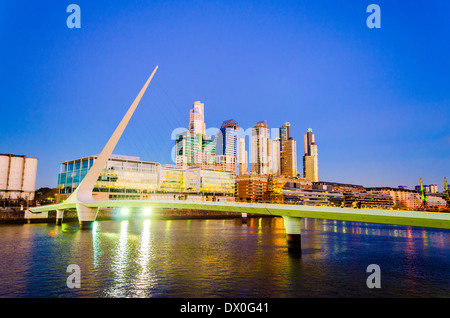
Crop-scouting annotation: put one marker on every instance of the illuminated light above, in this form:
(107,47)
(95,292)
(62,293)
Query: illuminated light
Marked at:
(125,211)
(147,211)
(94,226)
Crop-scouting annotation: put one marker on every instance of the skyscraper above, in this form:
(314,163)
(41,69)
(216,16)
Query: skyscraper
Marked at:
(197,119)
(276,159)
(285,132)
(288,151)
(227,146)
(228,138)
(243,157)
(289,167)
(310,158)
(194,147)
(261,149)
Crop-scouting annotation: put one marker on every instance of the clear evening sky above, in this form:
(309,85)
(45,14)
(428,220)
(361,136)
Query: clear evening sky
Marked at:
(378,100)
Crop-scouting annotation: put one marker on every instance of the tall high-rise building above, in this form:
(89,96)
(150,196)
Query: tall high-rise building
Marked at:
(310,158)
(276,159)
(261,149)
(243,157)
(197,119)
(227,138)
(288,151)
(285,132)
(194,147)
(289,167)
(227,146)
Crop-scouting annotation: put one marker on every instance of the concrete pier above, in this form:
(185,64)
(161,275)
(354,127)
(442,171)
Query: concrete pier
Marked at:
(59,216)
(86,216)
(292,226)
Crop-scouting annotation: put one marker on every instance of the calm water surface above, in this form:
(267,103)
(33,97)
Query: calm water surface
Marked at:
(222,258)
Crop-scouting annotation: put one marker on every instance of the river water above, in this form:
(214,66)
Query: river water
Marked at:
(222,258)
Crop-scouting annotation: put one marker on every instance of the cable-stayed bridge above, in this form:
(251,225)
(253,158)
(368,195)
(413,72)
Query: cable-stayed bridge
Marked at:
(87,207)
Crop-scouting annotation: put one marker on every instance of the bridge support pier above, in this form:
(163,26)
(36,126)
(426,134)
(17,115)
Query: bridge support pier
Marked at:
(292,226)
(59,216)
(86,216)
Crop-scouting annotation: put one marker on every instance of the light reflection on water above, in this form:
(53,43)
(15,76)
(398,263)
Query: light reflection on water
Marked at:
(222,258)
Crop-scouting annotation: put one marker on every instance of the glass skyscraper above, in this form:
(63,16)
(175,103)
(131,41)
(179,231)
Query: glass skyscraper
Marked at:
(227,146)
(194,147)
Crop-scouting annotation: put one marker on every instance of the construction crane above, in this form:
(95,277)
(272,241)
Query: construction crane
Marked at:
(424,196)
(275,186)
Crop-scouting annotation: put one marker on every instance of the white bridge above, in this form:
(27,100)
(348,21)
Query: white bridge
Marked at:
(82,200)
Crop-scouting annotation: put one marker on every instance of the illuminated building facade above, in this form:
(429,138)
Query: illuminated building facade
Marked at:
(227,146)
(124,177)
(276,158)
(368,199)
(299,191)
(171,179)
(408,199)
(194,147)
(251,187)
(289,166)
(128,178)
(209,182)
(195,150)
(243,157)
(310,158)
(261,149)
(288,151)
(227,138)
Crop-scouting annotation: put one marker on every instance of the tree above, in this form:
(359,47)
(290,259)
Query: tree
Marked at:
(45,195)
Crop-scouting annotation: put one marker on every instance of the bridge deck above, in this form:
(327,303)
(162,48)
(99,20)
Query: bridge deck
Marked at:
(394,217)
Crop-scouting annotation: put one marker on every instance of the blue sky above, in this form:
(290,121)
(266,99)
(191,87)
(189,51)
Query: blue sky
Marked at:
(378,100)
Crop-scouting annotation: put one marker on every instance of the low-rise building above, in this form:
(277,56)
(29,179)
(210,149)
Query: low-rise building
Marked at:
(251,187)
(123,178)
(129,178)
(210,182)
(312,197)
(336,186)
(402,198)
(436,201)
(368,199)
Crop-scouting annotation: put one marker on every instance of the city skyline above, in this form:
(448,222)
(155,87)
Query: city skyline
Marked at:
(377,99)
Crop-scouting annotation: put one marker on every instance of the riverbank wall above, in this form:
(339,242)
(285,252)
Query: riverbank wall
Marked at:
(24,217)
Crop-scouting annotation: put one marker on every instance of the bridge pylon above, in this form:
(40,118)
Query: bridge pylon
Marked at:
(59,216)
(83,193)
(292,227)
